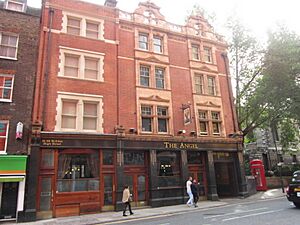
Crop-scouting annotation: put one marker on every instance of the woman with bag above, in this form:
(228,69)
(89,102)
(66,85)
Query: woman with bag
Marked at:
(126,199)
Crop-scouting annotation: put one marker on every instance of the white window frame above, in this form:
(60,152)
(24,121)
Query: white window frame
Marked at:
(142,34)
(83,22)
(200,85)
(161,46)
(80,98)
(218,121)
(12,88)
(82,54)
(17,3)
(197,47)
(214,85)
(6,136)
(154,118)
(17,43)
(208,58)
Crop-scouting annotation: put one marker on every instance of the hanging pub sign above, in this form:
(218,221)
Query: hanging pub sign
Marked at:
(187,117)
(19,130)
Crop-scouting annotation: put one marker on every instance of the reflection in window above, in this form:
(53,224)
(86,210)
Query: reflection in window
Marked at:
(78,172)
(194,157)
(134,158)
(108,158)
(168,166)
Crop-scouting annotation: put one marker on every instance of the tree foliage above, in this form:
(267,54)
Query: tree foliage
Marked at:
(267,80)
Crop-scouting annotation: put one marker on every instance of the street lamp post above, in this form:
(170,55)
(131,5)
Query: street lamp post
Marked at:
(279,164)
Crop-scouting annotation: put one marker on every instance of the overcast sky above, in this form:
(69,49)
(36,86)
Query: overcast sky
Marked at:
(258,15)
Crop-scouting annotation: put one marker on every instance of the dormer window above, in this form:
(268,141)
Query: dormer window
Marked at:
(15,6)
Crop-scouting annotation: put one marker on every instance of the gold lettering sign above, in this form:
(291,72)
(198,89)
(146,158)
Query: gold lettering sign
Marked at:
(52,142)
(180,145)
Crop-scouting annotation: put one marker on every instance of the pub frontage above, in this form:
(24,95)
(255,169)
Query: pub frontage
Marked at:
(86,174)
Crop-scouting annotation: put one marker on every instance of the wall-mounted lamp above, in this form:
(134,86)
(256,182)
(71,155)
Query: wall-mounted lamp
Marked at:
(193,133)
(132,130)
(181,132)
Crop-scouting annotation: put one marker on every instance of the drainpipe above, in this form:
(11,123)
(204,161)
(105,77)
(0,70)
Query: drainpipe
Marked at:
(233,115)
(47,65)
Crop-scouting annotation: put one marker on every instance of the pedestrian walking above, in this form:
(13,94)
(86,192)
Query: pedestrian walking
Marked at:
(126,199)
(189,191)
(194,189)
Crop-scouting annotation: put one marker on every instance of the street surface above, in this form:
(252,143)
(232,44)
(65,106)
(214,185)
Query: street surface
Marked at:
(277,211)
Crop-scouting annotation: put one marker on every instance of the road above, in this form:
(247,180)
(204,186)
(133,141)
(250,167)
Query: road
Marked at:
(267,212)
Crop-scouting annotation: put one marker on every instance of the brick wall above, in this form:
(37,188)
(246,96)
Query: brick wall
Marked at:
(24,69)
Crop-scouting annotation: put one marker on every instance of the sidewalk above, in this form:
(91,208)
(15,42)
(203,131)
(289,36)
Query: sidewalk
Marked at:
(106,217)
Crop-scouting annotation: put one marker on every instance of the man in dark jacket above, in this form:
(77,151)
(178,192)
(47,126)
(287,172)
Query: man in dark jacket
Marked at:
(194,190)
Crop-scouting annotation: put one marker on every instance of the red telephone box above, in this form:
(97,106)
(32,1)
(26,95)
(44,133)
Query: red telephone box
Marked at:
(258,171)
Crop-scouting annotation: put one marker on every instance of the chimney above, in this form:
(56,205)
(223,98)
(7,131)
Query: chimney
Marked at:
(111,3)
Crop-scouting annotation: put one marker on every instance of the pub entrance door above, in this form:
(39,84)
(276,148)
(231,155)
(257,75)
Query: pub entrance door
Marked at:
(138,186)
(225,179)
(108,190)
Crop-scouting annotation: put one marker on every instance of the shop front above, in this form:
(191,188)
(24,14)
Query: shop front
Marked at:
(87,174)
(12,186)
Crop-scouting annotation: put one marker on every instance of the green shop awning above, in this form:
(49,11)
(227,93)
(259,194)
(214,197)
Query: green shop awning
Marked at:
(13,164)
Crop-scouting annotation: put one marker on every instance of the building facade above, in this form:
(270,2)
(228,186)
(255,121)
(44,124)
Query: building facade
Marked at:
(19,34)
(130,99)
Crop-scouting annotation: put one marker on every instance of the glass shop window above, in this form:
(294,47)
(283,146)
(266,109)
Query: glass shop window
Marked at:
(78,172)
(134,158)
(168,168)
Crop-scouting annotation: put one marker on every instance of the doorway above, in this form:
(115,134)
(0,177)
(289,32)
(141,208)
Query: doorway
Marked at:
(108,187)
(225,179)
(9,199)
(138,188)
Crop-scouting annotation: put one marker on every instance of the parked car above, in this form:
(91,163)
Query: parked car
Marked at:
(293,190)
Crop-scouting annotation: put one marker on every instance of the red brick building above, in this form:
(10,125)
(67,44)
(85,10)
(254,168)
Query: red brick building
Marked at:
(130,99)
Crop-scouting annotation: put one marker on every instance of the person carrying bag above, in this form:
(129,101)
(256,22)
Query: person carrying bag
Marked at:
(126,199)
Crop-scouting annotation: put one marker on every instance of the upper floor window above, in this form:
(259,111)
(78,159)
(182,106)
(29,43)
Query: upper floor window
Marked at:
(157,44)
(155,119)
(153,42)
(3,135)
(79,113)
(211,83)
(8,45)
(73,26)
(145,76)
(148,79)
(15,6)
(77,64)
(160,78)
(216,123)
(209,122)
(6,87)
(195,52)
(203,122)
(198,79)
(144,41)
(83,26)
(92,29)
(162,119)
(207,57)
(147,118)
